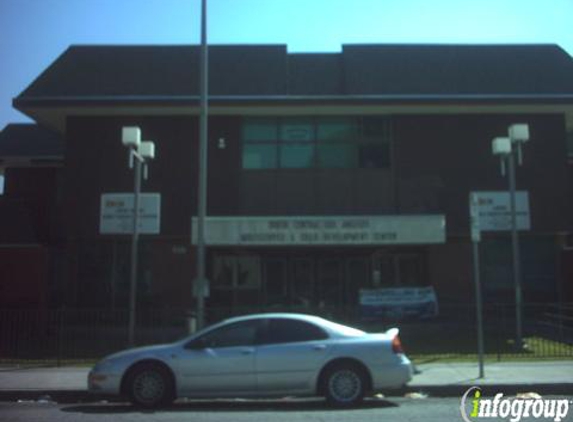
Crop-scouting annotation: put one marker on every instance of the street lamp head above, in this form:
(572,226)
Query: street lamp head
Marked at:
(519,132)
(131,136)
(501,146)
(147,150)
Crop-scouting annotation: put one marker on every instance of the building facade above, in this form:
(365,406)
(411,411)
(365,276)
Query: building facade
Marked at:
(328,173)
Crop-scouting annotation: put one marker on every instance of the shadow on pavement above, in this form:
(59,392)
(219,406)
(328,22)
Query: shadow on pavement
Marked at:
(287,405)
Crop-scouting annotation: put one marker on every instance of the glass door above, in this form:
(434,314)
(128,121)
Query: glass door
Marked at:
(275,275)
(302,282)
(330,286)
(358,276)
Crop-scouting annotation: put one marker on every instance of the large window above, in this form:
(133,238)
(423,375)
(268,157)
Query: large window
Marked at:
(316,142)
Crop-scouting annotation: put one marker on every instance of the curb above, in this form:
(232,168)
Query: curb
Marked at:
(83,396)
(58,396)
(553,389)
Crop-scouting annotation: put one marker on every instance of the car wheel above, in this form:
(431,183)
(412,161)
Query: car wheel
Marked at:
(344,385)
(150,385)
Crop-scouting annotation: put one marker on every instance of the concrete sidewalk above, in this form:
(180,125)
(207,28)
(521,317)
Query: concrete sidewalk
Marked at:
(436,379)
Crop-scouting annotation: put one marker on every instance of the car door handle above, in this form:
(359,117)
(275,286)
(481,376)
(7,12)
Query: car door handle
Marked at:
(319,347)
(247,351)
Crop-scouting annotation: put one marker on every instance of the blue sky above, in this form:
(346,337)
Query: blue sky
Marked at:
(34,32)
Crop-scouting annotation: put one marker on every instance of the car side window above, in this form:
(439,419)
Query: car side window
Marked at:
(282,330)
(234,335)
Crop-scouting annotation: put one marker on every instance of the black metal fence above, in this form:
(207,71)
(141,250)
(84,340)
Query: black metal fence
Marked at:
(58,336)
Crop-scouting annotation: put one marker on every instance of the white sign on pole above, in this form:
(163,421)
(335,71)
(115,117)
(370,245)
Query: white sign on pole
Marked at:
(116,213)
(493,210)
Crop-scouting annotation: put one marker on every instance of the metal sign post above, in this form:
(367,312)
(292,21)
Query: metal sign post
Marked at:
(515,256)
(476,237)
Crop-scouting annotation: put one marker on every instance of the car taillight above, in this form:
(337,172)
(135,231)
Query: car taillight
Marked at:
(397,345)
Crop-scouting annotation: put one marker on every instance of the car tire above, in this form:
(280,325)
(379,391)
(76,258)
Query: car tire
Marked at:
(150,385)
(344,385)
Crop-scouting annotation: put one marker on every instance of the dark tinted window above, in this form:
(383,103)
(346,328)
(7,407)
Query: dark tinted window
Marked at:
(291,331)
(239,334)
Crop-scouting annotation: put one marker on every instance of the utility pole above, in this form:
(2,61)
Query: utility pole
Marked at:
(201,282)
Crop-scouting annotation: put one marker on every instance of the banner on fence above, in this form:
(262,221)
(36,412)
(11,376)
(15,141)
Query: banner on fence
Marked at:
(399,303)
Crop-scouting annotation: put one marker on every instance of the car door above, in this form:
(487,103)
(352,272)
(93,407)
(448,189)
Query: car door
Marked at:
(219,363)
(289,355)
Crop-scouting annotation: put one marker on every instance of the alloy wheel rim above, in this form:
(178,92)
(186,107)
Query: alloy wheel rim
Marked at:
(149,386)
(345,385)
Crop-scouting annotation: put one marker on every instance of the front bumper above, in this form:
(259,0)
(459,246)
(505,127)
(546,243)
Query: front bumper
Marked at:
(104,382)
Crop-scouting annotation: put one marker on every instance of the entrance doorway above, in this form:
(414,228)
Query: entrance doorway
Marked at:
(308,280)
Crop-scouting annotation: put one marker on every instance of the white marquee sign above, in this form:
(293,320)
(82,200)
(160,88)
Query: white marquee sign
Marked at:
(327,230)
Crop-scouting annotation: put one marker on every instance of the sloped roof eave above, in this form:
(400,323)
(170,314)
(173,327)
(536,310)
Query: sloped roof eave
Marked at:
(191,100)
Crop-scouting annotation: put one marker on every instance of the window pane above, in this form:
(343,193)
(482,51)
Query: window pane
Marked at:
(377,128)
(337,155)
(302,281)
(275,277)
(289,331)
(337,129)
(410,270)
(297,130)
(387,270)
(240,334)
(259,156)
(260,129)
(248,272)
(296,155)
(223,268)
(374,156)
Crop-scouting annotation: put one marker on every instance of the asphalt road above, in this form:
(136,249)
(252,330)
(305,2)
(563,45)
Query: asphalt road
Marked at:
(393,409)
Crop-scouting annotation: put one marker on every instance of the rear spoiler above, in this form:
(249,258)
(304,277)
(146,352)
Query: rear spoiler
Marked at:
(392,332)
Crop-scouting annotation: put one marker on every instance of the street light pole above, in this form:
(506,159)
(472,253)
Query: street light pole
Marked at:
(515,251)
(139,152)
(507,148)
(134,250)
(201,281)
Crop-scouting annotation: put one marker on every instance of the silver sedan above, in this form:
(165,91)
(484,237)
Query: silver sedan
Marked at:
(265,355)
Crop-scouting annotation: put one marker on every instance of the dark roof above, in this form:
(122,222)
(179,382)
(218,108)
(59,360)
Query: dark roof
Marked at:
(406,72)
(455,69)
(30,141)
